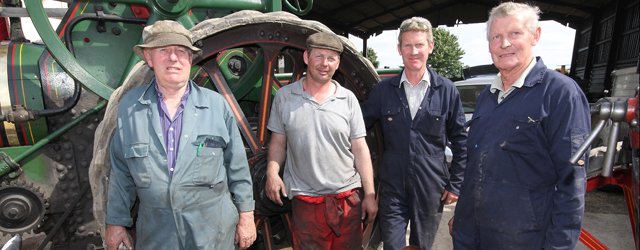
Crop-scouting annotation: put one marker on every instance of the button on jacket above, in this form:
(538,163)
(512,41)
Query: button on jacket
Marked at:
(196,207)
(413,172)
(414,149)
(520,190)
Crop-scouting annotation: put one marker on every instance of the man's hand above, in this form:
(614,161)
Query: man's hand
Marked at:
(369,208)
(274,186)
(245,230)
(277,153)
(448,197)
(116,235)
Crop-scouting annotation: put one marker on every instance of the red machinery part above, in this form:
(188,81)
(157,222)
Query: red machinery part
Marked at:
(633,113)
(140,11)
(4,29)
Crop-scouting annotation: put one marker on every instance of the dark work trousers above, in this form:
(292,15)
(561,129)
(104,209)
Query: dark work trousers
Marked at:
(332,224)
(420,205)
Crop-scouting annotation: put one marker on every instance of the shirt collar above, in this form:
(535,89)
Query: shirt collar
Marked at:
(424,80)
(497,82)
(159,94)
(298,90)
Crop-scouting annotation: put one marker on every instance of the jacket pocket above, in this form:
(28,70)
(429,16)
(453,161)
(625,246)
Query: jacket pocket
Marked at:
(209,159)
(525,135)
(432,124)
(138,157)
(391,115)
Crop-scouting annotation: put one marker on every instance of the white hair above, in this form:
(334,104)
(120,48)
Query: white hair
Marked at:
(530,14)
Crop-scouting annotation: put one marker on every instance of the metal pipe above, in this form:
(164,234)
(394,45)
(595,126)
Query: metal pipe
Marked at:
(607,165)
(44,141)
(22,12)
(592,136)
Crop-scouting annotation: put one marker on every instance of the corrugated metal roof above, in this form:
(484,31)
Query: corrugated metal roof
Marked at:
(369,17)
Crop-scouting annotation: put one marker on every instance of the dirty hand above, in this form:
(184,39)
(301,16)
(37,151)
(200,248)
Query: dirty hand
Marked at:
(116,235)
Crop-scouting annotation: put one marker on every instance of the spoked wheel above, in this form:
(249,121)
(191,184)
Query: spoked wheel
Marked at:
(263,40)
(241,54)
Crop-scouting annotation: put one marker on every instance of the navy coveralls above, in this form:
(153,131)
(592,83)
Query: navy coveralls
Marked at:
(520,191)
(413,172)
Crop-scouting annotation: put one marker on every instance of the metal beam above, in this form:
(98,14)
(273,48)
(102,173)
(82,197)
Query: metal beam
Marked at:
(22,12)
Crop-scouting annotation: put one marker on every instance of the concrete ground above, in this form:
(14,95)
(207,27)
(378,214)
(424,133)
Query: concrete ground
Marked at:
(606,218)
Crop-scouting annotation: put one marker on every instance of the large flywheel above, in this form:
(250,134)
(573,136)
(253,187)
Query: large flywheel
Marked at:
(241,54)
(246,57)
(266,41)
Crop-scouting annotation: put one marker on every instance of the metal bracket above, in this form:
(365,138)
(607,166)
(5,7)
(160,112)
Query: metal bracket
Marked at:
(8,166)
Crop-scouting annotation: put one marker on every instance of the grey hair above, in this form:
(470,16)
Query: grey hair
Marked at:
(530,14)
(416,24)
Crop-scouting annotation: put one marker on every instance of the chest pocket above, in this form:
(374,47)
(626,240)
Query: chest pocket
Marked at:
(209,159)
(525,134)
(139,164)
(391,119)
(391,115)
(432,124)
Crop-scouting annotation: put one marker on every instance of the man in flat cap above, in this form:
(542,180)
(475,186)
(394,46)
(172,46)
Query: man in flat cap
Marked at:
(177,149)
(317,127)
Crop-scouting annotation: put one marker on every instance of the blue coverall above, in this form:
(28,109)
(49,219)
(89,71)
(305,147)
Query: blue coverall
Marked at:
(412,170)
(195,208)
(519,190)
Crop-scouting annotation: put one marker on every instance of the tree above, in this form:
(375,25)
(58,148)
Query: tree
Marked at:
(446,55)
(373,57)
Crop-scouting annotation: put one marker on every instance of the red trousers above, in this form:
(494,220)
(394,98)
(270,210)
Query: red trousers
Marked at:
(331,222)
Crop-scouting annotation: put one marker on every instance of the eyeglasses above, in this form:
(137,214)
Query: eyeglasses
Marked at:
(179,51)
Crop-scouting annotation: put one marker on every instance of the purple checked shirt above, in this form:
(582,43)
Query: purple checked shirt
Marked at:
(171,128)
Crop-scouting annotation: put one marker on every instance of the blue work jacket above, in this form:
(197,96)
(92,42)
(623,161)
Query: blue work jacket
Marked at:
(520,190)
(414,148)
(196,207)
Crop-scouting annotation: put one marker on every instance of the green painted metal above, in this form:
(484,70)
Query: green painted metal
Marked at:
(159,9)
(6,164)
(60,52)
(389,71)
(34,168)
(24,82)
(30,150)
(296,8)
(117,42)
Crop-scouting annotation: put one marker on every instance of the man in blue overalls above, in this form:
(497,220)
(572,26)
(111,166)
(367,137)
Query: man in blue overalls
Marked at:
(520,190)
(419,111)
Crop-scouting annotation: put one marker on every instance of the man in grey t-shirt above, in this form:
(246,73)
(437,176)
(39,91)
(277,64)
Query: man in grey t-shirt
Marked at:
(317,126)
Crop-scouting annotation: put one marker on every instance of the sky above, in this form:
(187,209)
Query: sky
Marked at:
(555,46)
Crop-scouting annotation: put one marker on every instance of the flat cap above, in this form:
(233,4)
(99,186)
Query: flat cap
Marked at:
(325,40)
(164,33)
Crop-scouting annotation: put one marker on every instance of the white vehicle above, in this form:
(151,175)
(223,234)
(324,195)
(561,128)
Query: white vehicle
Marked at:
(476,80)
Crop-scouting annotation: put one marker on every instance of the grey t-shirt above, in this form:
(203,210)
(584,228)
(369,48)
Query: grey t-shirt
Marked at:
(319,158)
